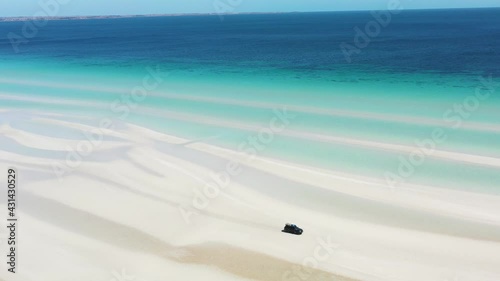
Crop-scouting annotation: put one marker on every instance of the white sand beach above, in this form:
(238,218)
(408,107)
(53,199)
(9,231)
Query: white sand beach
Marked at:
(142,205)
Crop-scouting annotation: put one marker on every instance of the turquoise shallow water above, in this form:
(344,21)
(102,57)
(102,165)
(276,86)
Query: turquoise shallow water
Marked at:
(67,83)
(214,91)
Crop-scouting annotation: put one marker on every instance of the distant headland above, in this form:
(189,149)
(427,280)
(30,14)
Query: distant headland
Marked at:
(9,19)
(28,18)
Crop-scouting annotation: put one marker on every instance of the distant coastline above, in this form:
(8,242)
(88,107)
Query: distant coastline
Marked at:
(11,19)
(30,18)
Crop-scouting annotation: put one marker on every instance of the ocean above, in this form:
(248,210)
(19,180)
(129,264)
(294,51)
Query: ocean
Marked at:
(221,81)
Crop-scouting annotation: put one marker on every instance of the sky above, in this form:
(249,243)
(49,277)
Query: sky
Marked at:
(10,8)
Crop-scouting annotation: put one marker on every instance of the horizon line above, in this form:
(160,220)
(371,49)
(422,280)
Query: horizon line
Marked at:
(224,14)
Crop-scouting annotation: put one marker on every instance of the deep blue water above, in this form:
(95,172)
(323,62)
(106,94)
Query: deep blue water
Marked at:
(420,66)
(446,41)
